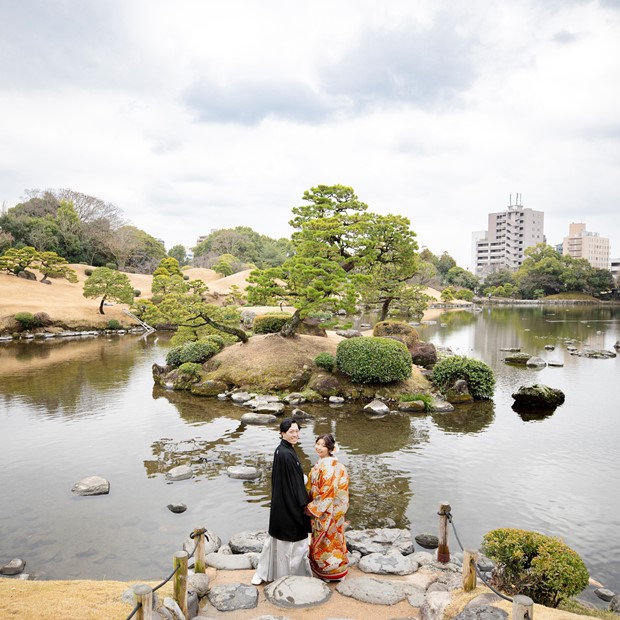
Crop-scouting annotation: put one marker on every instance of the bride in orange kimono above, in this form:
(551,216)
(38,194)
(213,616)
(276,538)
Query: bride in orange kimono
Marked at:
(328,491)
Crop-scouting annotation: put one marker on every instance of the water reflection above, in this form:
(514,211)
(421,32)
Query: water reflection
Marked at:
(466,418)
(533,414)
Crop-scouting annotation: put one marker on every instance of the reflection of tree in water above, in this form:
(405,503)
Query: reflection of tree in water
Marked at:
(467,417)
(197,409)
(74,374)
(378,496)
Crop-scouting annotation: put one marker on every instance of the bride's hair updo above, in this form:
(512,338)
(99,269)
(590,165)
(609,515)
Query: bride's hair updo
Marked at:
(329,441)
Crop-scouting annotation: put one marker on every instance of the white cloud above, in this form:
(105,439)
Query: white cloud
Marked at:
(196,115)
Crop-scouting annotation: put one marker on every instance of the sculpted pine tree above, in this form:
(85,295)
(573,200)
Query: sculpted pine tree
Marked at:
(108,284)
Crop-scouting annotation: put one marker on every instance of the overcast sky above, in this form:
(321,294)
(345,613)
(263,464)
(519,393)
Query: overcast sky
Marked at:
(195,114)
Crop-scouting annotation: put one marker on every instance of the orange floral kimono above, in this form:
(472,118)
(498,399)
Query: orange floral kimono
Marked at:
(328,491)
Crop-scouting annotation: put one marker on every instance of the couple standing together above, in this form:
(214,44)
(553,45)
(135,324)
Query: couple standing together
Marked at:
(297,509)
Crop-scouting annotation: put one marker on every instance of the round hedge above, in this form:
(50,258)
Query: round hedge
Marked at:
(477,374)
(196,352)
(325,360)
(373,360)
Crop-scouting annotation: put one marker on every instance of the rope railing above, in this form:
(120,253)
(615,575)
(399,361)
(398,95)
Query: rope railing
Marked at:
(144,593)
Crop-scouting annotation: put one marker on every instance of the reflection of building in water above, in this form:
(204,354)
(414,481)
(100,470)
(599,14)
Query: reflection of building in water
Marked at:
(509,233)
(583,244)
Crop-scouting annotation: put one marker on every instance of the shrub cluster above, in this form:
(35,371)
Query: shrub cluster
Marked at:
(270,323)
(114,324)
(425,398)
(196,352)
(326,361)
(25,319)
(541,567)
(373,360)
(477,374)
(190,368)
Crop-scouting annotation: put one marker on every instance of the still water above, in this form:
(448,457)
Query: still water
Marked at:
(74,409)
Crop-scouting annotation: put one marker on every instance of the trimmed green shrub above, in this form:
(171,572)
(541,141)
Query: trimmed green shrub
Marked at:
(215,340)
(465,294)
(185,276)
(477,374)
(373,360)
(88,272)
(114,324)
(25,319)
(137,292)
(112,266)
(173,357)
(191,368)
(425,398)
(401,330)
(270,323)
(541,567)
(326,361)
(197,352)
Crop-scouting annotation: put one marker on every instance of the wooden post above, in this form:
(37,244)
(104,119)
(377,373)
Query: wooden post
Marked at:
(143,594)
(443,550)
(469,570)
(180,580)
(199,556)
(522,608)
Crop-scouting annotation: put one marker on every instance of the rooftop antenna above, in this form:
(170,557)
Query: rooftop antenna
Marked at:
(510,200)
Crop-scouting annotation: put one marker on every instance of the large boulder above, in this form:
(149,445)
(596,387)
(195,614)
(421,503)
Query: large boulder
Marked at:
(398,330)
(519,359)
(459,392)
(311,327)
(423,354)
(538,396)
(209,388)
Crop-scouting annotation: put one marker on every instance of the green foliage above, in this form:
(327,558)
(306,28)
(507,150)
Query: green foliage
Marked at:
(373,360)
(173,357)
(190,368)
(215,340)
(108,284)
(25,319)
(53,266)
(15,260)
(179,253)
(448,293)
(541,567)
(112,266)
(464,294)
(425,398)
(326,361)
(137,292)
(457,276)
(477,374)
(270,323)
(168,266)
(88,272)
(197,352)
(114,324)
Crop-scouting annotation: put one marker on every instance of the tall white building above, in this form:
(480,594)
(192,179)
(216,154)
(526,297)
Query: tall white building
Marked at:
(509,233)
(583,244)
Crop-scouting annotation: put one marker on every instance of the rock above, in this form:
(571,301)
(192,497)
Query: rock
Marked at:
(614,604)
(441,406)
(311,327)
(209,388)
(417,598)
(247,542)
(298,414)
(486,612)
(349,333)
(536,362)
(240,397)
(258,418)
(617,345)
(177,508)
(173,607)
(511,349)
(423,354)
(373,591)
(233,596)
(459,392)
(14,567)
(538,395)
(483,600)
(549,347)
(377,406)
(224,561)
(225,549)
(272,408)
(26,275)
(520,359)
(336,400)
(380,540)
(413,406)
(243,472)
(325,383)
(391,563)
(294,592)
(295,398)
(182,472)
(93,485)
(434,605)
(604,594)
(597,354)
(198,583)
(428,541)
(555,363)
(422,557)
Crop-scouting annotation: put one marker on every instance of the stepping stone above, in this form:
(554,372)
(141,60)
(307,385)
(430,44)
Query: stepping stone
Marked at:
(390,563)
(294,592)
(243,472)
(225,561)
(380,540)
(258,418)
(182,472)
(233,596)
(248,542)
(374,591)
(93,485)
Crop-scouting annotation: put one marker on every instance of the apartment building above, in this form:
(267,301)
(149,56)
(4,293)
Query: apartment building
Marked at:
(509,233)
(583,244)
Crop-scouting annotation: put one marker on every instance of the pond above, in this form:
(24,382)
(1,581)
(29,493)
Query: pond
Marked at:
(71,409)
